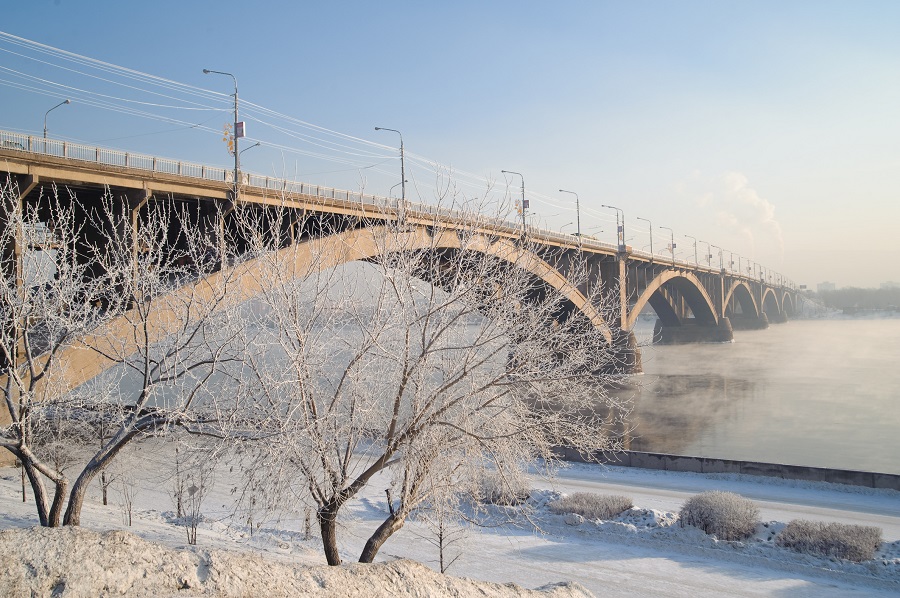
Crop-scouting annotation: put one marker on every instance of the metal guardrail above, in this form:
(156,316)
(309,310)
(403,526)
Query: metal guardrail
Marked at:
(110,157)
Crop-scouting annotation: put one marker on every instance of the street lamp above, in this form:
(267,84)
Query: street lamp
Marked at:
(708,254)
(721,264)
(258,143)
(524,203)
(651,236)
(391,190)
(620,228)
(577,210)
(51,110)
(671,243)
(402,215)
(238,129)
(695,249)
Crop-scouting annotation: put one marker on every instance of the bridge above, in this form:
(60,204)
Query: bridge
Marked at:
(694,302)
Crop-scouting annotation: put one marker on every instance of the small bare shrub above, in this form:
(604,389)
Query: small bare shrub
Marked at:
(726,515)
(591,506)
(128,493)
(505,488)
(852,542)
(199,484)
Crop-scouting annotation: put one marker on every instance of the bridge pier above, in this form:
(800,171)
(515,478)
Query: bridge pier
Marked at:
(690,331)
(750,322)
(625,355)
(778,318)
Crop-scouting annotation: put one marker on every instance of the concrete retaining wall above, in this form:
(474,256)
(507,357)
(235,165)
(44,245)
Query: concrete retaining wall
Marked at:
(665,462)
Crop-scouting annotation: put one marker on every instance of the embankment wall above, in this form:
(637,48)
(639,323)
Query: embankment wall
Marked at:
(666,462)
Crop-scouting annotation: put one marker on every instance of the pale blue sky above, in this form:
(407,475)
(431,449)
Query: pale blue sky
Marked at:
(771,129)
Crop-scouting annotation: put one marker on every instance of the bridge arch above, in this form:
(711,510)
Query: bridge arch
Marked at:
(688,285)
(315,255)
(770,305)
(740,293)
(787,303)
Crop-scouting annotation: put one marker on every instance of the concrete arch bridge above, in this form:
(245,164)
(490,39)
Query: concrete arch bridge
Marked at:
(693,302)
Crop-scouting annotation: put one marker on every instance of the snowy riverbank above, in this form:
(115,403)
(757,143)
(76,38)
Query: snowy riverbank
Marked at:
(643,552)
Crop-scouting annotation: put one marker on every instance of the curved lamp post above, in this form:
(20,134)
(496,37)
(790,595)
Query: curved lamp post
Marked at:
(402,215)
(237,134)
(671,243)
(696,263)
(577,211)
(721,258)
(524,205)
(651,236)
(620,228)
(63,103)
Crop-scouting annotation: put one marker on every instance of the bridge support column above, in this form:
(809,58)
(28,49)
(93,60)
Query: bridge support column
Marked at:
(690,331)
(626,355)
(750,322)
(779,318)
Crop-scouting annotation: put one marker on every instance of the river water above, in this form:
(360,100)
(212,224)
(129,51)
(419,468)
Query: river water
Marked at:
(823,393)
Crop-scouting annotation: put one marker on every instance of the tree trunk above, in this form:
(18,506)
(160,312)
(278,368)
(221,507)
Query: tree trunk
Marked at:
(36,471)
(59,496)
(76,498)
(390,525)
(37,487)
(327,516)
(97,464)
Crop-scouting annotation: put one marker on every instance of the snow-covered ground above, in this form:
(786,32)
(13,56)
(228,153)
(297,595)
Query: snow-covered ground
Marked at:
(642,553)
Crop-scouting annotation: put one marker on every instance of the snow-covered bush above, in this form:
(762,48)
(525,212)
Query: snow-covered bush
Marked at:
(591,505)
(507,488)
(851,542)
(726,515)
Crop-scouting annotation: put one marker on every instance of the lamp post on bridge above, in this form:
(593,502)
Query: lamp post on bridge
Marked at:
(237,133)
(620,228)
(577,212)
(671,243)
(696,262)
(524,204)
(391,190)
(63,103)
(708,255)
(257,144)
(721,258)
(402,215)
(651,236)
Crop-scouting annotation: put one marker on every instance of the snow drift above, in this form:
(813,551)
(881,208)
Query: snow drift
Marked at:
(75,562)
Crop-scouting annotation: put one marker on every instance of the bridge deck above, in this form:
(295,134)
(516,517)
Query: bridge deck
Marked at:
(64,162)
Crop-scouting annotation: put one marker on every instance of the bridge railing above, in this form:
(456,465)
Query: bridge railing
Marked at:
(109,157)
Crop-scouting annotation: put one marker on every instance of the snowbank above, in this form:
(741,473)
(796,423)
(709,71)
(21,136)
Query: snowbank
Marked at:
(76,562)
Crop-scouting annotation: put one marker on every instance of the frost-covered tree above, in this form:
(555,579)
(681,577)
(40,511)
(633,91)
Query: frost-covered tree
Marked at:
(453,353)
(133,306)
(174,338)
(46,307)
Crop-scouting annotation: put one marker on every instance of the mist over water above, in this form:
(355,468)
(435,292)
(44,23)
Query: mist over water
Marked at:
(823,393)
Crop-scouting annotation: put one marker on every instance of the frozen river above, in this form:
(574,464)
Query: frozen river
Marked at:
(823,393)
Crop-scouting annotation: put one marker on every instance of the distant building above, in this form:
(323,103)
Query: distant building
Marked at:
(890,285)
(824,287)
